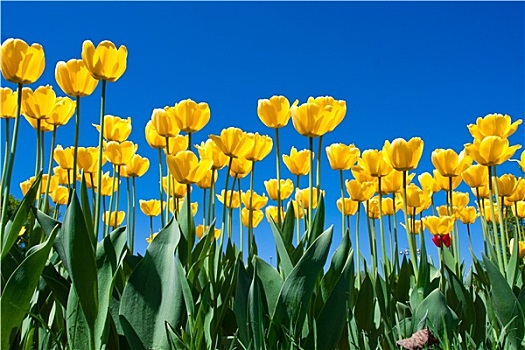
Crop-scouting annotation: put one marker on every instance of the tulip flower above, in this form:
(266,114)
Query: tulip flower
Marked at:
(233,142)
(372,162)
(274,112)
(298,162)
(186,168)
(113,219)
(257,216)
(64,157)
(403,155)
(493,125)
(74,78)
(60,195)
(206,182)
(107,185)
(442,240)
(115,128)
(286,188)
(230,200)
(360,192)
(105,62)
(341,156)
(38,104)
(240,167)
(317,116)
(175,204)
(349,208)
(253,201)
(44,126)
(414,227)
(153,138)
(272,213)
(119,153)
(428,183)
(302,196)
(468,215)
(65,177)
(164,123)
(449,163)
(150,207)
(460,199)
(297,210)
(262,145)
(9,103)
(362,175)
(26,185)
(521,248)
(486,213)
(177,189)
(388,206)
(189,116)
(521,162)
(62,112)
(151,238)
(518,193)
(439,225)
(519,209)
(137,166)
(491,150)
(445,182)
(88,159)
(200,230)
(506,184)
(372,207)
(21,63)
(209,150)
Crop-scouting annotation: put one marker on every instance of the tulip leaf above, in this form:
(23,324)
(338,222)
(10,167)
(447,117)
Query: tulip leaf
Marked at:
(506,305)
(271,283)
(364,306)
(299,286)
(436,313)
(255,311)
(80,257)
(512,267)
(17,221)
(187,230)
(288,226)
(460,301)
(79,334)
(58,284)
(18,291)
(402,289)
(240,306)
(86,210)
(152,296)
(337,265)
(318,223)
(285,264)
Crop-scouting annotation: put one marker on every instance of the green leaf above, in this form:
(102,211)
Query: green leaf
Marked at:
(439,316)
(153,295)
(288,226)
(58,284)
(285,263)
(271,283)
(15,223)
(364,306)
(318,223)
(18,291)
(255,311)
(461,302)
(79,332)
(506,305)
(337,265)
(299,286)
(240,306)
(403,284)
(86,210)
(80,257)
(512,267)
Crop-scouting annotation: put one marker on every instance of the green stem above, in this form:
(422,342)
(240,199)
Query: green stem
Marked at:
(371,237)
(341,182)
(278,165)
(77,130)
(412,248)
(151,227)
(358,251)
(100,147)
(310,186)
(499,246)
(108,224)
(168,181)
(161,197)
(134,210)
(386,262)
(50,168)
(250,212)
(224,208)
(6,158)
(504,234)
(318,170)
(298,214)
(128,219)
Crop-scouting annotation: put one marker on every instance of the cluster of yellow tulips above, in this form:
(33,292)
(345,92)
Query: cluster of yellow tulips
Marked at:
(382,178)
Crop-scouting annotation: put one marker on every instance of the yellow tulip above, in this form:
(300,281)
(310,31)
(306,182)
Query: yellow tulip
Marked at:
(427,183)
(26,185)
(105,62)
(150,207)
(107,186)
(200,230)
(360,191)
(87,159)
(482,191)
(298,163)
(416,198)
(521,162)
(240,167)
(449,163)
(209,150)
(403,155)
(372,207)
(38,104)
(63,174)
(519,209)
(21,63)
(153,138)
(186,168)
(60,195)
(274,112)
(189,115)
(257,216)
(64,157)
(521,248)
(335,110)
(180,203)
(487,213)
(205,182)
(317,116)
(468,215)
(372,161)
(177,189)
(341,156)
(113,219)
(347,206)
(230,200)
(518,193)
(44,126)
(460,199)
(74,78)
(272,213)
(119,153)
(262,145)
(43,184)
(302,197)
(137,166)
(151,238)
(62,112)
(233,142)
(115,128)
(257,201)
(298,212)
(490,151)
(286,188)
(9,103)
(439,225)
(393,182)
(475,176)
(506,184)
(164,123)
(177,144)
(493,125)
(414,227)
(444,182)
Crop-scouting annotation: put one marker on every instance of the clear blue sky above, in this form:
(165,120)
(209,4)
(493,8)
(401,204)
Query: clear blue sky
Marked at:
(405,69)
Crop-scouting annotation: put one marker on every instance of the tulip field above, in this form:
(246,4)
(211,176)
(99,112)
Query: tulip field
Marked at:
(73,278)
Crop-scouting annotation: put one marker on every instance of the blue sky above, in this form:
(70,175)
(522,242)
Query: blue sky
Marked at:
(404,68)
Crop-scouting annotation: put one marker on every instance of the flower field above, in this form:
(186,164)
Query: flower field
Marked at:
(72,277)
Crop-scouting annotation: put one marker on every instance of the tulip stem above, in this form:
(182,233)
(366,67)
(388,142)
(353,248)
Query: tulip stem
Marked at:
(49,168)
(128,219)
(168,180)
(499,244)
(410,240)
(299,212)
(504,235)
(160,189)
(108,224)
(310,185)
(396,238)
(372,238)
(100,147)
(358,252)
(278,165)
(77,130)
(190,233)
(318,170)
(204,208)
(211,204)
(342,183)
(250,212)
(6,157)
(386,262)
